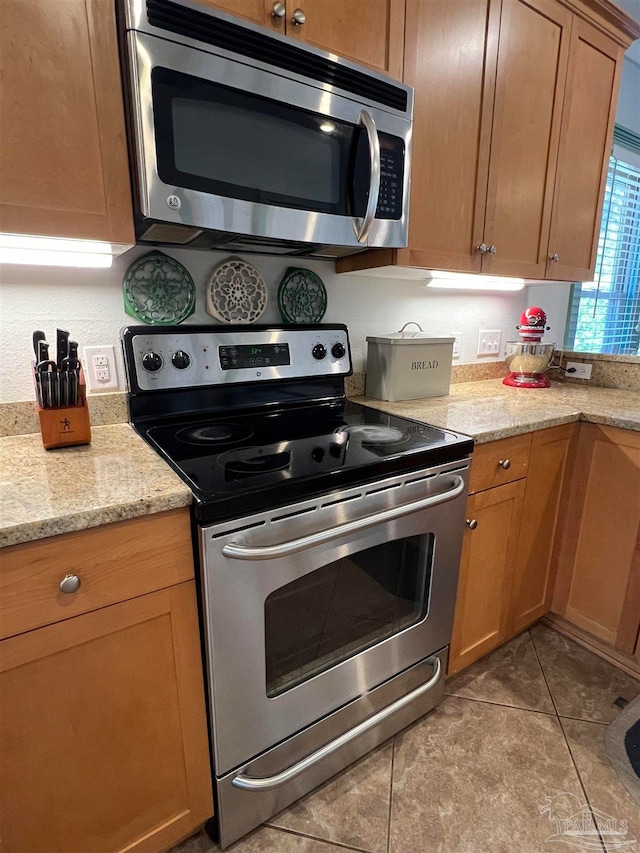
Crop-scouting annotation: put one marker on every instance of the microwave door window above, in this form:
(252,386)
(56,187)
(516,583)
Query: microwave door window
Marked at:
(234,144)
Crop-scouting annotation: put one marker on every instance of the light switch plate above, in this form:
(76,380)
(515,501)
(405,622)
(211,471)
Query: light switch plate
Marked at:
(489,342)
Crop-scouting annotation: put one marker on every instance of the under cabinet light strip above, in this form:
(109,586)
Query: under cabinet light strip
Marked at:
(56,251)
(469,281)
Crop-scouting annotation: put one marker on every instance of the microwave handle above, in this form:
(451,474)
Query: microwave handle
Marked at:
(362,232)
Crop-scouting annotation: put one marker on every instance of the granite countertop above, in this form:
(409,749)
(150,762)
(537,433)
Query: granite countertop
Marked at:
(489,410)
(118,476)
(46,492)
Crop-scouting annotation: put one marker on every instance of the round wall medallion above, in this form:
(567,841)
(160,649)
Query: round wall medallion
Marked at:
(158,290)
(302,297)
(236,292)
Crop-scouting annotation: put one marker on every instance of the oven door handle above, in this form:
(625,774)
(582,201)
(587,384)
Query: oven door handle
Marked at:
(366,119)
(254,783)
(285,549)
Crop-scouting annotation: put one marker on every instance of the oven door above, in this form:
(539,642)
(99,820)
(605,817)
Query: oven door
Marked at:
(310,606)
(225,146)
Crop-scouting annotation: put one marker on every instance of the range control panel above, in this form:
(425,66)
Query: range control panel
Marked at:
(164,359)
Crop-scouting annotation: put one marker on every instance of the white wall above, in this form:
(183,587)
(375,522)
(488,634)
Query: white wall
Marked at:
(89,304)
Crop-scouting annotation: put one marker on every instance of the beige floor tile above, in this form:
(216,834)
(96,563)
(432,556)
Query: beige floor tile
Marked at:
(604,789)
(582,684)
(263,840)
(472,777)
(351,809)
(511,675)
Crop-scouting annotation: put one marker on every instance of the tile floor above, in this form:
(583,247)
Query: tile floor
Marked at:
(517,743)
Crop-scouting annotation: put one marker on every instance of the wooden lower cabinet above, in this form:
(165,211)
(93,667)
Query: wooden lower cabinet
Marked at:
(486,571)
(508,559)
(103,738)
(598,584)
(545,497)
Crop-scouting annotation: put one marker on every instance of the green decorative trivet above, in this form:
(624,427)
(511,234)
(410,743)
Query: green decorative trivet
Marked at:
(158,290)
(302,297)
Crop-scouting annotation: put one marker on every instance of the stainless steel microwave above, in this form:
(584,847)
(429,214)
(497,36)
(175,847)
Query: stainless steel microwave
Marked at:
(245,140)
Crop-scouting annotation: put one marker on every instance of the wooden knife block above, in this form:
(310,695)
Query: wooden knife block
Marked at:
(66,426)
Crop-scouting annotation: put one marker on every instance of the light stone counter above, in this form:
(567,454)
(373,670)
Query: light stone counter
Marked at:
(490,410)
(46,492)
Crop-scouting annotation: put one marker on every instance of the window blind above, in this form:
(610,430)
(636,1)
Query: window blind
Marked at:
(605,314)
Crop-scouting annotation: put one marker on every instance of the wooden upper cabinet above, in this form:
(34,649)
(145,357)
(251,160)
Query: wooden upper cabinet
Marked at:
(445,48)
(530,79)
(585,142)
(370,32)
(63,157)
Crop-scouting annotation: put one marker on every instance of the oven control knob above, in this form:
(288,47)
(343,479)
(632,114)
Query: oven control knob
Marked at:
(335,450)
(319,352)
(338,350)
(151,361)
(181,360)
(317,454)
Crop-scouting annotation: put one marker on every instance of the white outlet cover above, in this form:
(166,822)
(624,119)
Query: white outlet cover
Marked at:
(91,372)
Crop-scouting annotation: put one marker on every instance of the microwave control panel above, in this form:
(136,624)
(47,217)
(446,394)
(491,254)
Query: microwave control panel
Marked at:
(391,175)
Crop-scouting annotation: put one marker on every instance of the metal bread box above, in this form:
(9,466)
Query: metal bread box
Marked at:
(408,365)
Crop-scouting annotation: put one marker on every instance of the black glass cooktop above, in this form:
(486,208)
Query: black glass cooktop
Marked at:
(245,462)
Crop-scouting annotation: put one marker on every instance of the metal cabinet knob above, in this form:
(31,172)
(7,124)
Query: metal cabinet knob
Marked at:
(505,463)
(471,523)
(298,18)
(554,257)
(492,250)
(278,10)
(69,584)
(482,248)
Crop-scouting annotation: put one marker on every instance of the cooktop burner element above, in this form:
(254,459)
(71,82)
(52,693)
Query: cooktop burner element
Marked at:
(215,433)
(374,434)
(252,436)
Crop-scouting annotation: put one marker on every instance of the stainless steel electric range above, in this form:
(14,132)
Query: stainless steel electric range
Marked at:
(328,538)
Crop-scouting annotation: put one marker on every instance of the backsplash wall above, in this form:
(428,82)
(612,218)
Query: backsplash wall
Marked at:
(89,304)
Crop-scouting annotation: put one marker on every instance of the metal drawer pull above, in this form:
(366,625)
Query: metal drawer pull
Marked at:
(69,584)
(278,10)
(252,783)
(471,523)
(505,463)
(298,18)
(272,552)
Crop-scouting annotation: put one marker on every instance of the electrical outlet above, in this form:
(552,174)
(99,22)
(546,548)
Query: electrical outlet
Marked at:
(489,342)
(579,369)
(100,368)
(456,343)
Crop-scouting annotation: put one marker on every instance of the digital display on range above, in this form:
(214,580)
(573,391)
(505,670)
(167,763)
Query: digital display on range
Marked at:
(253,355)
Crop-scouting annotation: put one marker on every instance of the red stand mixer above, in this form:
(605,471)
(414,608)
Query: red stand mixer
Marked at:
(529,359)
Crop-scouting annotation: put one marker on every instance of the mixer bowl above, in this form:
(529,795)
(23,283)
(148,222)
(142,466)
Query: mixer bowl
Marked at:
(528,358)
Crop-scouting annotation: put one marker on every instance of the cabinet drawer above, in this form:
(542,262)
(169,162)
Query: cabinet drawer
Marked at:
(499,462)
(114,563)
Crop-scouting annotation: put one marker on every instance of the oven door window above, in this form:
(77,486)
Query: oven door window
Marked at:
(235,144)
(331,614)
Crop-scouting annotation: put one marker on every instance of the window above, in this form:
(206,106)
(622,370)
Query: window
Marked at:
(604,315)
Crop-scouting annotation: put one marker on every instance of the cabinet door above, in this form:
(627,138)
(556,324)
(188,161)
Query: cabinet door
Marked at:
(256,11)
(63,167)
(530,78)
(103,730)
(588,120)
(533,575)
(366,31)
(486,573)
(597,575)
(454,81)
